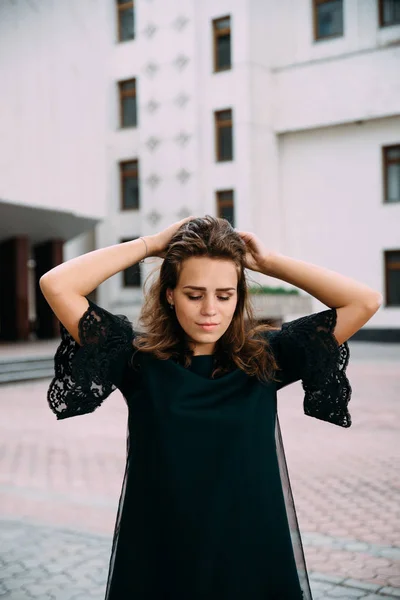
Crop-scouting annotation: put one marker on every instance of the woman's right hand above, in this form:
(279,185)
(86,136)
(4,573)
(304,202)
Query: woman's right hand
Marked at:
(160,241)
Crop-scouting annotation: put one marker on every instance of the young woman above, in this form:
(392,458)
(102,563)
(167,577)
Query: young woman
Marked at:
(206,510)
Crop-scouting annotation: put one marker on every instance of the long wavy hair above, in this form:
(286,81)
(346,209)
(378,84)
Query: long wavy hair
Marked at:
(243,344)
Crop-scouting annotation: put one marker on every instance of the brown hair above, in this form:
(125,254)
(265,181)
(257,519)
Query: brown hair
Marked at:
(242,345)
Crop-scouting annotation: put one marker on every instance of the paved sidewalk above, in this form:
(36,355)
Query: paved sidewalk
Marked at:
(49,563)
(60,483)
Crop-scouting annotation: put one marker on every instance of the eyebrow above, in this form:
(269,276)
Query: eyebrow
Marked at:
(203,289)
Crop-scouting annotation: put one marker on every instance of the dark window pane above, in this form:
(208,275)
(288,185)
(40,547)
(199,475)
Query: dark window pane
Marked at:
(225,196)
(127,86)
(129,166)
(393,258)
(224,115)
(394,288)
(391,12)
(227,212)
(330,19)
(225,143)
(224,51)
(130,192)
(225,204)
(393,278)
(129,114)
(132,276)
(393,153)
(392,173)
(223,23)
(393,182)
(126,24)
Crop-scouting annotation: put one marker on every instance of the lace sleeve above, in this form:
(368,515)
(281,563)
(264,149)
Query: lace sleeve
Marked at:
(86,374)
(307,350)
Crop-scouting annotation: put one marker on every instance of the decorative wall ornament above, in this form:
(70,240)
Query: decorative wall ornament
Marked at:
(181,61)
(183,175)
(182,100)
(183,213)
(152,143)
(180,23)
(182,138)
(150,30)
(152,106)
(151,69)
(154,217)
(153,180)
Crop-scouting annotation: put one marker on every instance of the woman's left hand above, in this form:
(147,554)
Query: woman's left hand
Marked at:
(257,255)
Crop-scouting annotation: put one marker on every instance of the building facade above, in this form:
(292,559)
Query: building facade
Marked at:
(122,117)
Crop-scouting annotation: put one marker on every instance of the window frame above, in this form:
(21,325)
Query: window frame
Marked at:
(126,94)
(137,266)
(388,267)
(122,175)
(120,9)
(216,34)
(219,125)
(381,22)
(333,36)
(230,203)
(386,161)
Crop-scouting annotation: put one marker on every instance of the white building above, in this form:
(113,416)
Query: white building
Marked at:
(104,96)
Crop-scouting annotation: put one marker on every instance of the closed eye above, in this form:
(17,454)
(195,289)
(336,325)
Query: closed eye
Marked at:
(199,297)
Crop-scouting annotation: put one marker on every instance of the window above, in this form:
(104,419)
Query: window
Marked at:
(391,173)
(389,12)
(132,276)
(126,20)
(392,277)
(225,208)
(223,134)
(129,177)
(328,18)
(222,44)
(127,103)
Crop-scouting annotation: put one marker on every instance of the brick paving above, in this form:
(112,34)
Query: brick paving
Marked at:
(60,483)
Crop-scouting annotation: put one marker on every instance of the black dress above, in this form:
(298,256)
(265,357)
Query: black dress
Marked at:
(206,510)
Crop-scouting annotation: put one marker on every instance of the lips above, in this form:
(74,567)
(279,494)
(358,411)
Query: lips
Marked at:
(208,328)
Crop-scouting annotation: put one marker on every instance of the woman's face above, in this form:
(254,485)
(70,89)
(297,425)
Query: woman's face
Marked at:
(214,303)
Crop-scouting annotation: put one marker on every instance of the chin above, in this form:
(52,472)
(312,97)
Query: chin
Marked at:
(204,337)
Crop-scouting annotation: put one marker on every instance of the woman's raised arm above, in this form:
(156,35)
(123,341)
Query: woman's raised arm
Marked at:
(66,285)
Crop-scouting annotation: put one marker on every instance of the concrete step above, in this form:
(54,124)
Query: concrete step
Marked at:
(26,368)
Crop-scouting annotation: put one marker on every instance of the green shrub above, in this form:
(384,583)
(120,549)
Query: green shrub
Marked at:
(263,289)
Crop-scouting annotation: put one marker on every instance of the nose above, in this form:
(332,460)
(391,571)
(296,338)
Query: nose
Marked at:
(208,306)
